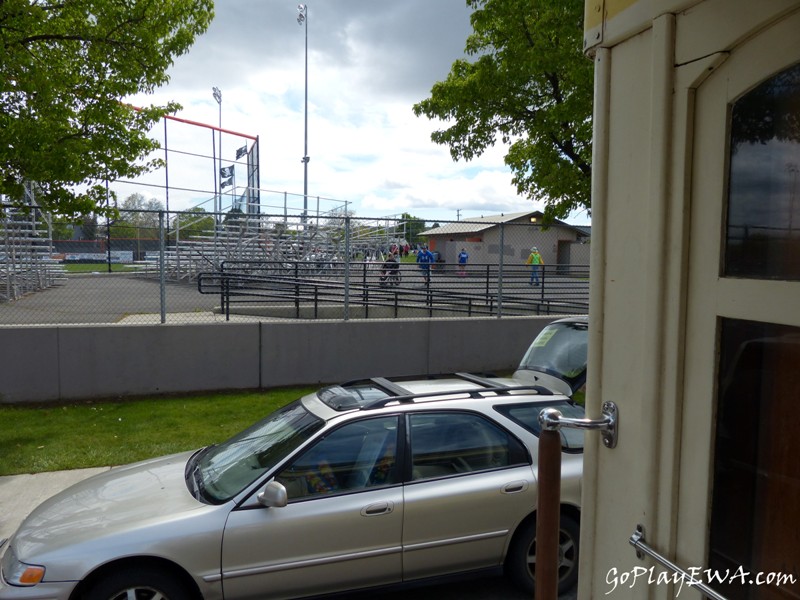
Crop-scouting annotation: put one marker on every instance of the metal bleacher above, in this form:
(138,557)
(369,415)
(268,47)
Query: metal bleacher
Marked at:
(26,249)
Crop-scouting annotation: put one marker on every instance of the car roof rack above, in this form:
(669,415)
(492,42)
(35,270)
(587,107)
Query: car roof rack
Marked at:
(401,395)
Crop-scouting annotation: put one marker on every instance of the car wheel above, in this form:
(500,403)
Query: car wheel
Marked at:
(137,584)
(521,559)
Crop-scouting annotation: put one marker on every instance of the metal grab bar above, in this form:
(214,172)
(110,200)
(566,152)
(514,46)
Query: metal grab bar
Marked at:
(548,504)
(637,541)
(551,419)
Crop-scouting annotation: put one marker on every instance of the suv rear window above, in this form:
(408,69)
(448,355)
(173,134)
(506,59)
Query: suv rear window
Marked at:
(560,350)
(527,416)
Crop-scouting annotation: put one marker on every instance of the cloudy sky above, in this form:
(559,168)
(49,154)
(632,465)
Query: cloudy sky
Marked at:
(368,63)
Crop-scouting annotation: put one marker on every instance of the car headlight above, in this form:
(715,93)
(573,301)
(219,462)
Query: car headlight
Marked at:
(19,573)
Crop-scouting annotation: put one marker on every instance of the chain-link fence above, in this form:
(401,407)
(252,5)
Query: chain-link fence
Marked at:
(159,267)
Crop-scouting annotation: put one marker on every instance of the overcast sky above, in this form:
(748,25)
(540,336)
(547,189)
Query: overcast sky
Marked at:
(368,63)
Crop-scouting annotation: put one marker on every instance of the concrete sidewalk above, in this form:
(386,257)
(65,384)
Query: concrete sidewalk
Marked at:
(20,494)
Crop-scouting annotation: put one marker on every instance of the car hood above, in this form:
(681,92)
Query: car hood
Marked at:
(138,496)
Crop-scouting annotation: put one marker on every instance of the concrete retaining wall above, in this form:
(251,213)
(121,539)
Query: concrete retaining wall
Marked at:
(70,363)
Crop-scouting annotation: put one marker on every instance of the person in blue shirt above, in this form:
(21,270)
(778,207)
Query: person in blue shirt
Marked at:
(463,257)
(424,260)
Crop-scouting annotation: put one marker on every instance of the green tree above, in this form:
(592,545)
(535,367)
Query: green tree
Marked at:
(530,86)
(61,228)
(413,227)
(89,227)
(235,220)
(136,218)
(139,211)
(64,68)
(192,223)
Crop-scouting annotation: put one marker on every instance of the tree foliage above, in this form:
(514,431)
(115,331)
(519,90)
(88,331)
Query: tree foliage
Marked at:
(528,84)
(65,67)
(412,227)
(192,223)
(139,211)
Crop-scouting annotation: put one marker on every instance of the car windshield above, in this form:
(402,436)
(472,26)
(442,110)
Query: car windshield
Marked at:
(560,350)
(527,415)
(220,472)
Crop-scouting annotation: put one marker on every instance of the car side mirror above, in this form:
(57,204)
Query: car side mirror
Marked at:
(273,495)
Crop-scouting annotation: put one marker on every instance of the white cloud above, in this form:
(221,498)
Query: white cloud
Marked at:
(368,63)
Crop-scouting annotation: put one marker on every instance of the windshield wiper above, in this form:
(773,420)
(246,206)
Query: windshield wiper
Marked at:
(192,474)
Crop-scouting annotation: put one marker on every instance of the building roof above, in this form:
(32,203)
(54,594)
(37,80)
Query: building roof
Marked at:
(477,224)
(480,224)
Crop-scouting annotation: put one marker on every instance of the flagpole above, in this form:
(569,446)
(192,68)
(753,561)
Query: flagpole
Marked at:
(302,19)
(218,197)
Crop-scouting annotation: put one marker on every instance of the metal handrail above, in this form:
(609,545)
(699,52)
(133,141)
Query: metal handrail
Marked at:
(637,541)
(548,504)
(551,420)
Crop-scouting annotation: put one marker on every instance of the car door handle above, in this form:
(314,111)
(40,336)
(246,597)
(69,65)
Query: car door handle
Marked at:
(515,487)
(379,508)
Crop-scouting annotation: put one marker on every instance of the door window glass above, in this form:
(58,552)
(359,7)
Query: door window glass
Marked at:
(762,240)
(356,456)
(451,443)
(527,415)
(755,516)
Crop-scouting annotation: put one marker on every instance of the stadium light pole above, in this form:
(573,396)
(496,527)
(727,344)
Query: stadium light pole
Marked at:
(302,20)
(218,195)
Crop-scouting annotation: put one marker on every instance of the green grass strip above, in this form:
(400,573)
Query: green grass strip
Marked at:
(98,434)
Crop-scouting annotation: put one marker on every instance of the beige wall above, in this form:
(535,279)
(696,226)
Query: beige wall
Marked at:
(518,238)
(68,363)
(651,60)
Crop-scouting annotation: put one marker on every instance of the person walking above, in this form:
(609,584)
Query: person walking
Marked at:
(390,272)
(536,261)
(463,257)
(424,260)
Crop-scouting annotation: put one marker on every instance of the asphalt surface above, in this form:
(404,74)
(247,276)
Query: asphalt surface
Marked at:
(104,298)
(134,299)
(19,494)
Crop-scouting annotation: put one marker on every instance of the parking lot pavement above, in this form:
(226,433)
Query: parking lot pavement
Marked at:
(19,494)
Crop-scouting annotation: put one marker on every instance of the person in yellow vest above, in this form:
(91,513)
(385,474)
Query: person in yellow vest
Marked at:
(535,260)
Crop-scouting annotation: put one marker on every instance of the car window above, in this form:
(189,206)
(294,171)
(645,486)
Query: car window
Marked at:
(355,456)
(354,395)
(527,415)
(452,443)
(220,472)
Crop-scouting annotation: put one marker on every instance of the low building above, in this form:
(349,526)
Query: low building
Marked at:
(516,233)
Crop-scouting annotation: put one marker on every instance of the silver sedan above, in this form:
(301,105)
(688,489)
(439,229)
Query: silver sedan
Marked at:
(363,485)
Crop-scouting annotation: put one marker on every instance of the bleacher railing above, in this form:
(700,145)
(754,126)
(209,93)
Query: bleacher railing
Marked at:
(364,289)
(151,267)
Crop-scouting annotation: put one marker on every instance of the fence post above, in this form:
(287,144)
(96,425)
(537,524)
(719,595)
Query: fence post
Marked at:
(108,229)
(296,290)
(162,268)
(226,287)
(364,280)
(488,273)
(223,294)
(548,515)
(500,271)
(177,251)
(543,271)
(346,268)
